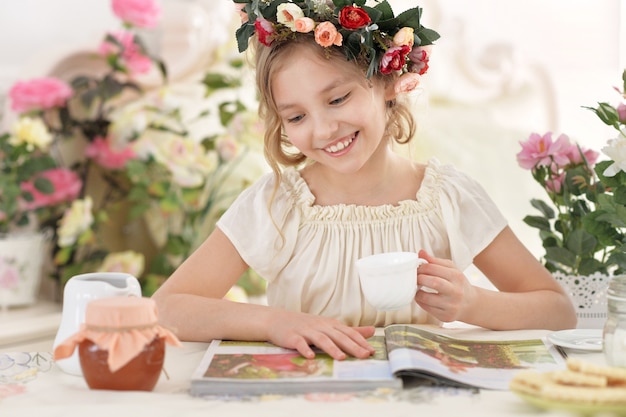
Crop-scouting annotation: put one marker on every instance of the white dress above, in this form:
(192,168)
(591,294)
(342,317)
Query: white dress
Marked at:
(311,266)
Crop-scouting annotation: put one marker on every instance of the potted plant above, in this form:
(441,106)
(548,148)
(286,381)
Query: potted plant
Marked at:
(583,226)
(129,156)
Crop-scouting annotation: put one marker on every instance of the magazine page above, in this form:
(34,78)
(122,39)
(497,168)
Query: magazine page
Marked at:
(262,368)
(416,351)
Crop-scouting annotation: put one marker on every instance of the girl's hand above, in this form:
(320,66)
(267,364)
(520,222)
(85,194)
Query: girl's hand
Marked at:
(300,331)
(452,294)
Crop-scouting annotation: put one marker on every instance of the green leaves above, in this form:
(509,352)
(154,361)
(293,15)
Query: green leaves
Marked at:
(584,229)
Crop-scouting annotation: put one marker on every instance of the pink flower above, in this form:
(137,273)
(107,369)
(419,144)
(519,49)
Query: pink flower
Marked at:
(242,14)
(39,93)
(418,59)
(541,151)
(101,151)
(141,13)
(555,183)
(394,59)
(304,24)
(576,158)
(407,82)
(66,185)
(131,54)
(326,34)
(9,275)
(264,31)
(621,112)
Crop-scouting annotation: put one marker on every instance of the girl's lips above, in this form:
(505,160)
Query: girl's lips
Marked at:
(341,145)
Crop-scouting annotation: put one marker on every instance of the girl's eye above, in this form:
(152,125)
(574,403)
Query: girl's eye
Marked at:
(295,119)
(340,99)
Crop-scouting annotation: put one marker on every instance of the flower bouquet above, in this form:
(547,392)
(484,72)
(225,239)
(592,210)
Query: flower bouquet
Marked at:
(583,227)
(125,180)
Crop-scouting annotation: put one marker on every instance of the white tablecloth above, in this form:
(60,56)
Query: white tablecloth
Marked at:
(32,385)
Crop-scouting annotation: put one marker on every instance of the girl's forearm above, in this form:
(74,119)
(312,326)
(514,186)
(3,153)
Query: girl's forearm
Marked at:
(541,309)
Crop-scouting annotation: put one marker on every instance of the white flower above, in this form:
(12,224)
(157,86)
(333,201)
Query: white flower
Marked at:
(288,13)
(76,220)
(616,150)
(189,163)
(32,132)
(128,261)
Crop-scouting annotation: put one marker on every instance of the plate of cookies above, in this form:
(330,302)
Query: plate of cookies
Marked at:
(583,388)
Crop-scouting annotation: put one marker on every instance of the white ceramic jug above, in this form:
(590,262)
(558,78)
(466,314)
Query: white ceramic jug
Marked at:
(79,291)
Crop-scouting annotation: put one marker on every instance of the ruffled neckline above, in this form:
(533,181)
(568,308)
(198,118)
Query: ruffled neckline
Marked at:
(424,201)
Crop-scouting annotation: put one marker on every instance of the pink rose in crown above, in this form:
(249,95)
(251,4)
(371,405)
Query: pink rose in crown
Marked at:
(418,59)
(141,13)
(394,59)
(264,30)
(39,94)
(101,151)
(66,185)
(326,34)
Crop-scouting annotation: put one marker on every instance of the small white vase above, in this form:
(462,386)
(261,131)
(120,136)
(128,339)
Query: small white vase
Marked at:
(21,261)
(588,294)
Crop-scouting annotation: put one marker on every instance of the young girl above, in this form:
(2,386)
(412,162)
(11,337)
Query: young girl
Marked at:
(330,79)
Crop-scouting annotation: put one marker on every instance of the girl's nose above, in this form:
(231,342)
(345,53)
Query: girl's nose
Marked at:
(325,125)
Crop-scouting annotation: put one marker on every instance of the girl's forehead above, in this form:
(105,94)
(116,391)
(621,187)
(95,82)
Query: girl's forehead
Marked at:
(311,67)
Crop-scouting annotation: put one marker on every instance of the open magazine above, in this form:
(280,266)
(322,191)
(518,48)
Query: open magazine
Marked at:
(405,354)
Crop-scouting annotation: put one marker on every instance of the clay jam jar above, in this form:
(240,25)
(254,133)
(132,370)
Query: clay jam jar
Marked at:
(121,346)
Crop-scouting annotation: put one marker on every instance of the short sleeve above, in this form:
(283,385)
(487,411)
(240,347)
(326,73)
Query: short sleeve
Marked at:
(265,242)
(472,217)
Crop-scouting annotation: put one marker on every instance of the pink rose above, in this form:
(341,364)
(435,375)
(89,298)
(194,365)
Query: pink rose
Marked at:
(39,93)
(304,24)
(242,14)
(131,54)
(576,158)
(542,151)
(394,59)
(407,83)
(66,186)
(103,154)
(141,13)
(264,31)
(326,34)
(555,183)
(418,59)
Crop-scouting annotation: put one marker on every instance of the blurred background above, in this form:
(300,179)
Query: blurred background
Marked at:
(502,70)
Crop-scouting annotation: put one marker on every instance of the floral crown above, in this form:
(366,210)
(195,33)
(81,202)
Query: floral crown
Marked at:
(388,43)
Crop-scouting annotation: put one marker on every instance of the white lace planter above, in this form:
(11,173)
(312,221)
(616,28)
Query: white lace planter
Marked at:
(588,294)
(21,259)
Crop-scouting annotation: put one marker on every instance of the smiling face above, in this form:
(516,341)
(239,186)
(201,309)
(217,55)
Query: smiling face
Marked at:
(329,111)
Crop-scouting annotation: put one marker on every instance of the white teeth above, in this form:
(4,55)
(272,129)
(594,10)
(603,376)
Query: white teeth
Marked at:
(339,146)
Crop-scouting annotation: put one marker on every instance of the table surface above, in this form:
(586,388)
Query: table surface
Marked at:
(31,384)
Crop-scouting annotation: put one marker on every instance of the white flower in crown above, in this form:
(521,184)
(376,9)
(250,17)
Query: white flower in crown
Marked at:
(288,14)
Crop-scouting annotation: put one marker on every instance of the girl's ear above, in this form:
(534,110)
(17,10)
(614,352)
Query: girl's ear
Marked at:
(390,91)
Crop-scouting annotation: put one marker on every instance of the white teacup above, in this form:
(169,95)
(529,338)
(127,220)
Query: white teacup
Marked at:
(389,280)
